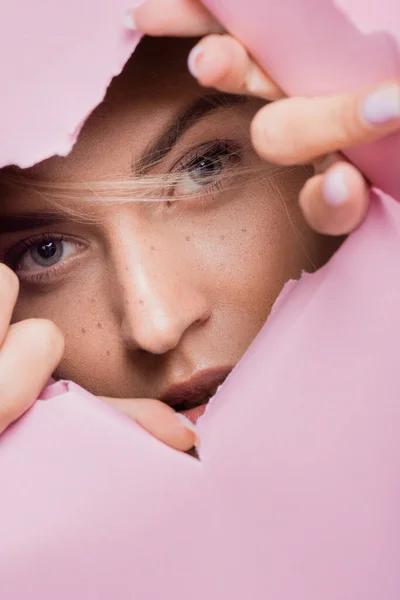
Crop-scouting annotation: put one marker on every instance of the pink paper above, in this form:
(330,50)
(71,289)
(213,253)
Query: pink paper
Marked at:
(313,47)
(58,59)
(297,491)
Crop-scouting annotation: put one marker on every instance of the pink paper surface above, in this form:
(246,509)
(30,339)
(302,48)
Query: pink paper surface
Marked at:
(313,47)
(297,491)
(57,61)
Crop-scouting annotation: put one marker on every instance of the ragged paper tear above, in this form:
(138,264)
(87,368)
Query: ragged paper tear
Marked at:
(314,47)
(57,59)
(297,491)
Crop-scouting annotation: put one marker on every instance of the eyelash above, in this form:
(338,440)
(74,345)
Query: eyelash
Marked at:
(15,254)
(214,151)
(211,151)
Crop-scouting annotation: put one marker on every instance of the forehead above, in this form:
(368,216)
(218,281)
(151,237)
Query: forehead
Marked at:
(153,88)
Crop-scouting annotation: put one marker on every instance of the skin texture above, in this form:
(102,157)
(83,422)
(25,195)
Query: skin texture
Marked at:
(148,291)
(33,347)
(290,131)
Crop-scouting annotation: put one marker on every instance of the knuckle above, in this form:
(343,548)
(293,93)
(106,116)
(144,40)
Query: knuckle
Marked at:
(222,74)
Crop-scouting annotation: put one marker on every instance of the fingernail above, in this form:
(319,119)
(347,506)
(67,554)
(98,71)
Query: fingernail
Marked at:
(382,106)
(194,59)
(129,20)
(336,190)
(189,425)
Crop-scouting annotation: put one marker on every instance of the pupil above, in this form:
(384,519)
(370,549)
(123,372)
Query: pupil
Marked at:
(47,249)
(207,166)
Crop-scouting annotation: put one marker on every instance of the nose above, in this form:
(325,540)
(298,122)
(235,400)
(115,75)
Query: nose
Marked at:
(161,301)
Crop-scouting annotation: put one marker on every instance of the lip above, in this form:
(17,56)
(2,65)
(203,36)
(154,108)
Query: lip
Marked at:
(197,390)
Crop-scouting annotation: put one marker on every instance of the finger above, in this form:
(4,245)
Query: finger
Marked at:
(221,62)
(190,18)
(30,353)
(297,130)
(9,286)
(159,419)
(322,164)
(335,203)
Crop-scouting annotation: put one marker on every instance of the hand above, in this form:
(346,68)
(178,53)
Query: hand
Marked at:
(29,353)
(290,131)
(160,420)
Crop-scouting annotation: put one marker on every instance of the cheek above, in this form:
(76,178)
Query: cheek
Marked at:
(82,311)
(255,245)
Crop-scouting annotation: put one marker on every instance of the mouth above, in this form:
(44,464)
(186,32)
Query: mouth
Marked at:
(191,397)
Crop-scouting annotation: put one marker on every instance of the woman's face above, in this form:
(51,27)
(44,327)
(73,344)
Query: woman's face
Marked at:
(150,295)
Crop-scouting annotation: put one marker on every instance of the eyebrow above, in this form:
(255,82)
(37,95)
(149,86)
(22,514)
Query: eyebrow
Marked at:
(26,221)
(196,111)
(158,150)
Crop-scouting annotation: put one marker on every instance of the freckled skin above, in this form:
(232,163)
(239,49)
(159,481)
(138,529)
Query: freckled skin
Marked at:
(166,308)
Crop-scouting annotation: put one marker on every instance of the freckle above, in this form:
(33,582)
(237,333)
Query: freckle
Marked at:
(188,238)
(108,353)
(152,248)
(99,326)
(221,237)
(244,230)
(83,330)
(126,268)
(141,301)
(93,300)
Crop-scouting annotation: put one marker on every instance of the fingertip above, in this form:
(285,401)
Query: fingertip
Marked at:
(345,189)
(222,62)
(161,421)
(188,425)
(218,62)
(129,20)
(190,18)
(335,203)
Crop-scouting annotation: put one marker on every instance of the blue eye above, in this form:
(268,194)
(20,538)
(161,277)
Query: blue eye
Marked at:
(205,169)
(40,254)
(47,253)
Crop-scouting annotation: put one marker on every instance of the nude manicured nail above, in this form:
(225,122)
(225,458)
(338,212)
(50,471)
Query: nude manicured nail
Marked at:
(193,60)
(189,425)
(382,106)
(129,20)
(336,189)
